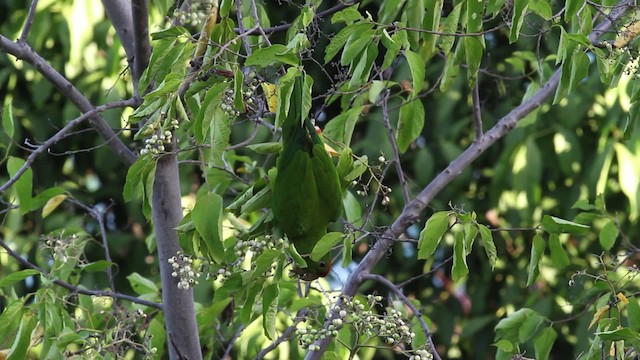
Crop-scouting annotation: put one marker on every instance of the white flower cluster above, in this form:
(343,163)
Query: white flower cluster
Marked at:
(197,13)
(391,326)
(255,247)
(184,270)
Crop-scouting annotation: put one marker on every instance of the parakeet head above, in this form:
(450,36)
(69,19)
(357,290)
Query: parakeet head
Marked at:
(314,269)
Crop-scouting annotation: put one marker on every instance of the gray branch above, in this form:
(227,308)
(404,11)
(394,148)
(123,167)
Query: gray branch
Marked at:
(412,211)
(24,52)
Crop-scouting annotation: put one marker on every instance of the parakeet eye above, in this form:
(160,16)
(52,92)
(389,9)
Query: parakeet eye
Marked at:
(322,264)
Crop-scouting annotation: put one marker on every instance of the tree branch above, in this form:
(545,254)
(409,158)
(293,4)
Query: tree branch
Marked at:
(61,134)
(394,145)
(75,289)
(119,12)
(412,211)
(142,47)
(28,22)
(477,113)
(24,52)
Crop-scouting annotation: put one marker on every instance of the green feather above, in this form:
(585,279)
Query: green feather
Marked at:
(307,194)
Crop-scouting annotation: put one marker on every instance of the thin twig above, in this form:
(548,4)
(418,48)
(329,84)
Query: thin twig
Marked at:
(417,313)
(60,134)
(256,18)
(75,289)
(394,146)
(247,46)
(24,52)
(477,113)
(245,142)
(28,22)
(99,217)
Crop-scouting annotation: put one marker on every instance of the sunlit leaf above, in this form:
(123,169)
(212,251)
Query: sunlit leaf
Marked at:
(544,342)
(460,268)
(559,256)
(537,250)
(608,235)
(324,245)
(432,233)
(207,218)
(270,310)
(410,123)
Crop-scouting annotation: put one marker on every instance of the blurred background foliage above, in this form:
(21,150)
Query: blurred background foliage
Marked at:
(559,154)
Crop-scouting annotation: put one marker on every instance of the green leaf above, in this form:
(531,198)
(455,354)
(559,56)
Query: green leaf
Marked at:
(238,78)
(376,88)
(263,263)
(270,310)
(392,46)
(519,10)
(347,250)
(608,235)
(410,124)
(572,7)
(474,15)
(450,26)
(324,245)
(96,266)
(14,277)
(340,129)
(23,185)
(357,43)
(470,234)
(266,148)
(347,15)
(633,314)
(579,68)
(414,12)
(541,8)
(417,67)
(537,250)
(352,209)
(509,327)
(10,316)
(474,49)
(207,218)
(22,340)
(432,23)
(557,225)
(529,327)
(544,342)
(283,94)
(142,285)
(7,119)
(247,308)
(488,244)
(460,268)
(623,334)
(339,40)
(432,234)
(272,56)
(559,257)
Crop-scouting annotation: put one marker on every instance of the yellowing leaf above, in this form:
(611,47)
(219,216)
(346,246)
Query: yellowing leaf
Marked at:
(629,33)
(622,298)
(52,204)
(270,94)
(598,315)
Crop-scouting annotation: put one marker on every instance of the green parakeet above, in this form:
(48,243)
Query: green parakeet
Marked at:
(306,194)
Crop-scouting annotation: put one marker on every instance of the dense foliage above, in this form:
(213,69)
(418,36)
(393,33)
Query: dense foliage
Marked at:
(487,152)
